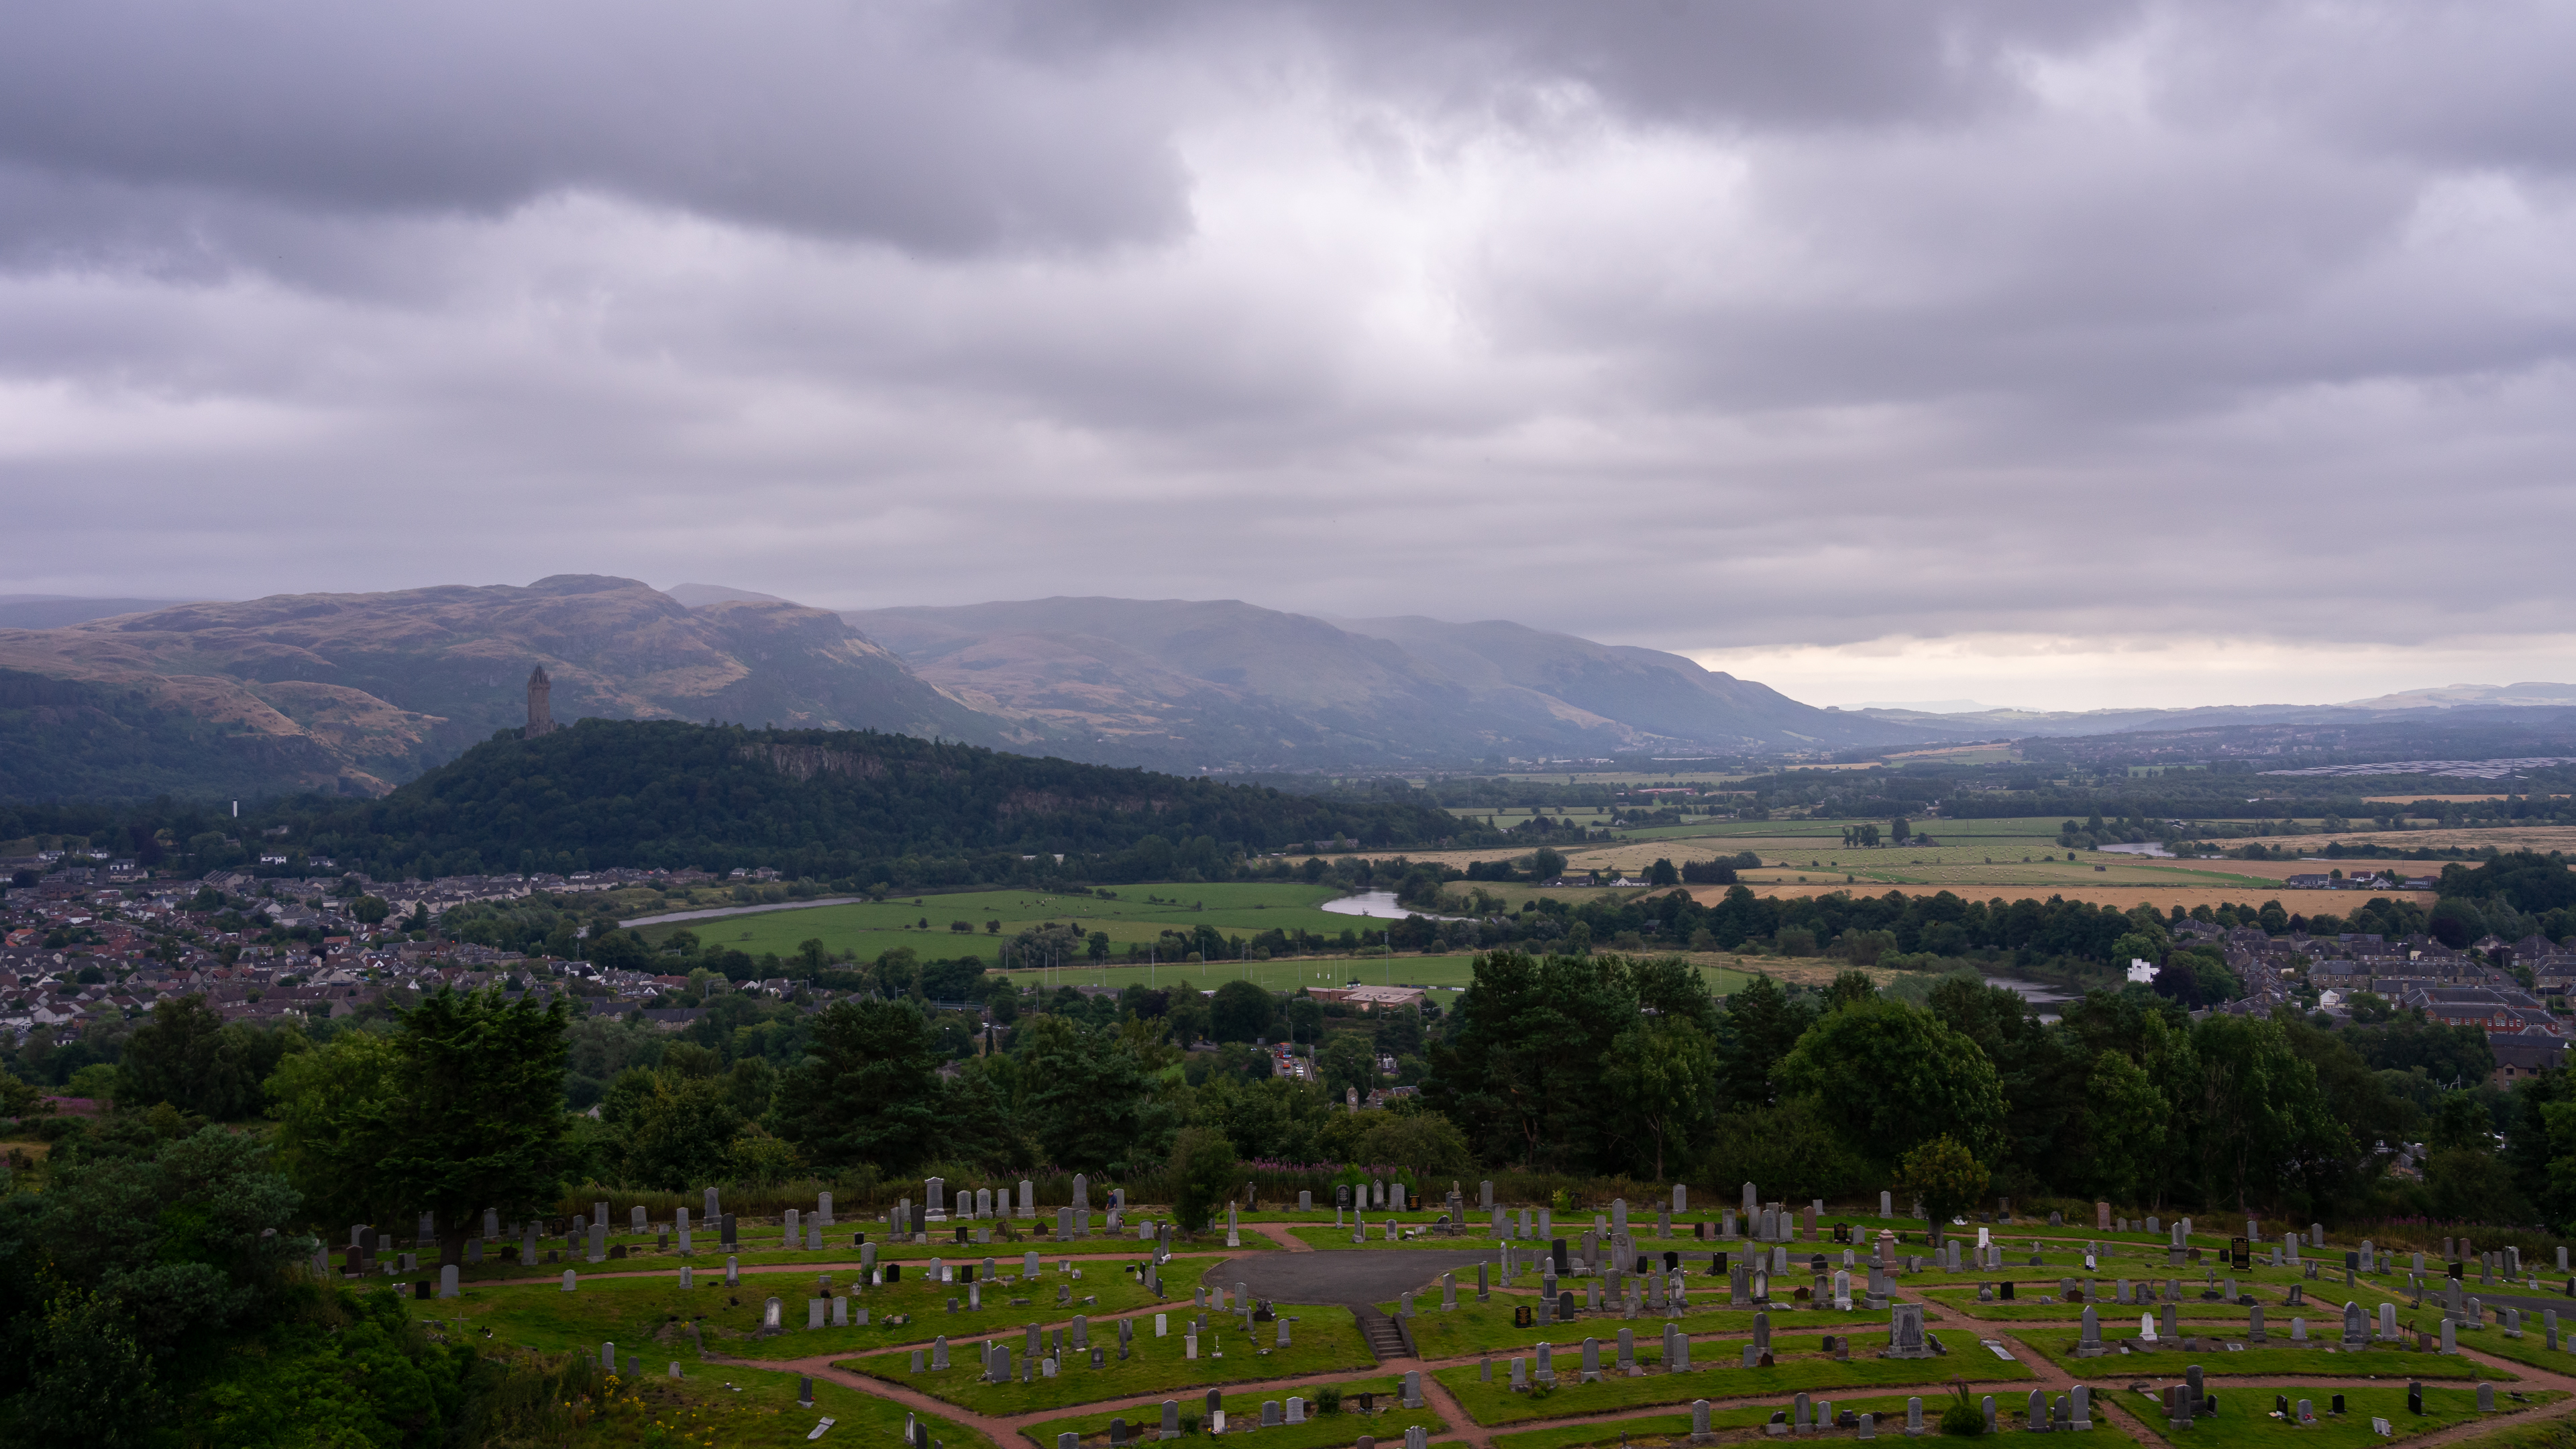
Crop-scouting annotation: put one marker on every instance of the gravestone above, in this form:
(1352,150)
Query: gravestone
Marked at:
(1905,1336)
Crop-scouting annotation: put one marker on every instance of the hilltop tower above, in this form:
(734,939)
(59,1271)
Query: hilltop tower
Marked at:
(541,719)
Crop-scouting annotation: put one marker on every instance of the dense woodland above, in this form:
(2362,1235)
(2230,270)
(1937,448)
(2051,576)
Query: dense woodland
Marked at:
(829,805)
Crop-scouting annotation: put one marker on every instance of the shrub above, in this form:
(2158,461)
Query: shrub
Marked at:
(1962,1415)
(1328,1399)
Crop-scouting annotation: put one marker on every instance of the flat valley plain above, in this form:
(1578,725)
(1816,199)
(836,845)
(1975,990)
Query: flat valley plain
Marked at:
(1979,859)
(1982,859)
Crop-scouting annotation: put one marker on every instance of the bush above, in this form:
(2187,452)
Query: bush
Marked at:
(1962,1415)
(1328,1399)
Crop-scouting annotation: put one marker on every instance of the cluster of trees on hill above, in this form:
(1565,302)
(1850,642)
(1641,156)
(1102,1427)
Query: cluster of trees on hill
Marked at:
(1601,1065)
(826,805)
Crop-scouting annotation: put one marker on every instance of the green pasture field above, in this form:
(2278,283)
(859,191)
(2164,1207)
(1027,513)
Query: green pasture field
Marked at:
(1724,1377)
(1323,1340)
(635,1311)
(734,1404)
(1320,1431)
(2317,1360)
(1661,1431)
(1445,973)
(1138,914)
(2244,1416)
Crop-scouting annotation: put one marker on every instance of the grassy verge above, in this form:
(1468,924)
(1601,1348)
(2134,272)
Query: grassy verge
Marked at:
(1320,1431)
(730,1405)
(1326,1340)
(2552,1433)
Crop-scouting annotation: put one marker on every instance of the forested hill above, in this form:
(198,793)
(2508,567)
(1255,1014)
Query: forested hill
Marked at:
(830,805)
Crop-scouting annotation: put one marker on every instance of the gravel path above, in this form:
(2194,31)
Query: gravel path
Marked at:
(1348,1278)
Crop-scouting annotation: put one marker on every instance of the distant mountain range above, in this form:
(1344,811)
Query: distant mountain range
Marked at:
(358,692)
(1178,683)
(53,611)
(2417,705)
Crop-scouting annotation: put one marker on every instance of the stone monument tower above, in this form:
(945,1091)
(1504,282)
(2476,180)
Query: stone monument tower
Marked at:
(541,719)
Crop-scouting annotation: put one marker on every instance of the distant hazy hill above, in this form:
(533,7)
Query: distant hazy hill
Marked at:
(694,595)
(360,691)
(1225,682)
(2419,706)
(53,611)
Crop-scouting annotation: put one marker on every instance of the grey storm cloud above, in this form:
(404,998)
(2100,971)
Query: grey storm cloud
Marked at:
(1722,326)
(906,122)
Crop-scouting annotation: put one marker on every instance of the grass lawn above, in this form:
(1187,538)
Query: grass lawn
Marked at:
(2552,1433)
(1320,1431)
(730,1405)
(1481,1328)
(2531,1348)
(2058,1347)
(637,1311)
(2277,1311)
(1103,1279)
(1800,1370)
(1660,1431)
(1325,1340)
(2245,1415)
(763,1246)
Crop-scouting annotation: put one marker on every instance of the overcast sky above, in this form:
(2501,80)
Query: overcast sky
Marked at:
(2054,354)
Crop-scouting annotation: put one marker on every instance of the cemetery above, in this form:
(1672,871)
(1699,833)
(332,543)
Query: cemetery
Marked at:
(1590,1326)
(1349,1305)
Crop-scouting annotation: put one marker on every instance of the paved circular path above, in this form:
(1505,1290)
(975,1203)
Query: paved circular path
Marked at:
(1349,1278)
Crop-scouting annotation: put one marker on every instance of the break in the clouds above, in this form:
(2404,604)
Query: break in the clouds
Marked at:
(2053,354)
